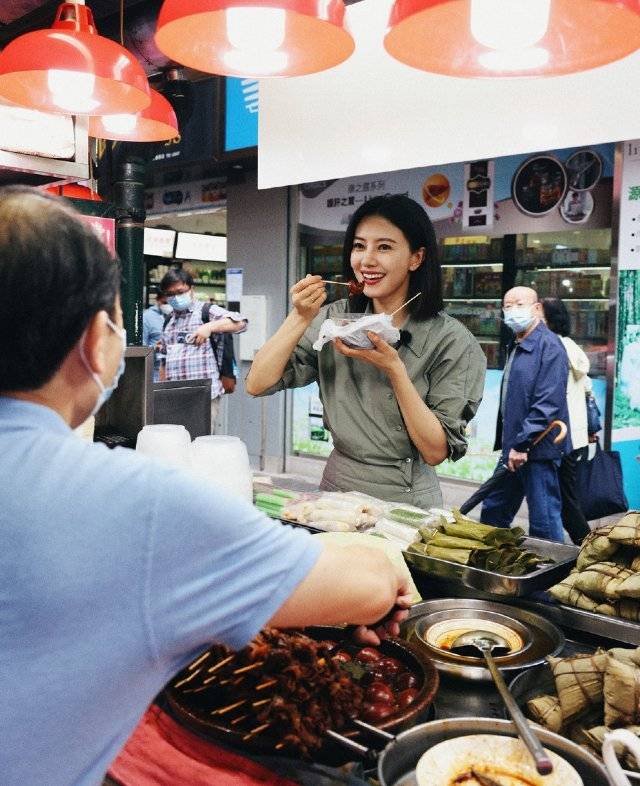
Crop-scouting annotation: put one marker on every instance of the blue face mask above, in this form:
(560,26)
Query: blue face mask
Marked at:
(519,318)
(105,393)
(180,302)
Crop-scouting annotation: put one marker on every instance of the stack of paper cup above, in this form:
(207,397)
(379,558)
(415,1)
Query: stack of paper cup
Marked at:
(223,460)
(167,442)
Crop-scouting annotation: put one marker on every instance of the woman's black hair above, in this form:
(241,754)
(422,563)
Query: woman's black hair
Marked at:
(55,275)
(556,316)
(414,223)
(175,275)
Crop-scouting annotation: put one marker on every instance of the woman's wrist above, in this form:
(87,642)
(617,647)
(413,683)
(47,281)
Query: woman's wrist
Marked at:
(297,322)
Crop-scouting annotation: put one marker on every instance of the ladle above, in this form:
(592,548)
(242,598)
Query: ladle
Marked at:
(488,643)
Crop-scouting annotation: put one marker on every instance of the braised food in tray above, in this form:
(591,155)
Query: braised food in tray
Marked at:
(285,690)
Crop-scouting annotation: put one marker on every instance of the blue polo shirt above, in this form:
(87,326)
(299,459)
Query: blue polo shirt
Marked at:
(114,573)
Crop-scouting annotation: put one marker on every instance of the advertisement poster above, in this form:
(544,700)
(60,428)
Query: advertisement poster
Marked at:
(544,192)
(105,229)
(625,435)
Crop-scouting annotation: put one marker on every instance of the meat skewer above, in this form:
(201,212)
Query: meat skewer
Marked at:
(355,287)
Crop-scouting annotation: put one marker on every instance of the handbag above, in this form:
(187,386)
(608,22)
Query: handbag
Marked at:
(599,486)
(593,415)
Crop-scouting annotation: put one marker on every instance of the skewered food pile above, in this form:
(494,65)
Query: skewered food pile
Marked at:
(478,545)
(606,579)
(287,689)
(594,693)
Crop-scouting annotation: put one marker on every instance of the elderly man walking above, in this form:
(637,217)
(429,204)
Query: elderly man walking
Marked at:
(533,393)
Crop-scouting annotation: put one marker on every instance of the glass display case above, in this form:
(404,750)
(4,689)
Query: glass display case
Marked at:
(472,280)
(575,267)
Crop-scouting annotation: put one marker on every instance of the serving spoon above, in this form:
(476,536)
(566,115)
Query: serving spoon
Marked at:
(488,643)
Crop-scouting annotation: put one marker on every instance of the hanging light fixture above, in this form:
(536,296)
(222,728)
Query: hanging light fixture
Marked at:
(156,123)
(254,38)
(70,69)
(491,38)
(74,191)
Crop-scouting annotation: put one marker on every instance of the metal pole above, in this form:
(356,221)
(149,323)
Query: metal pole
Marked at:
(130,215)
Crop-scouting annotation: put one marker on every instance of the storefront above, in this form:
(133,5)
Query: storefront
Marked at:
(544,220)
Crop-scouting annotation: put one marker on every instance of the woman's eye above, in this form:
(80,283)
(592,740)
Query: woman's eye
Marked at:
(358,246)
(384,247)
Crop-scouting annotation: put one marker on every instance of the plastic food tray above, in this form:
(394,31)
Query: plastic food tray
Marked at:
(546,576)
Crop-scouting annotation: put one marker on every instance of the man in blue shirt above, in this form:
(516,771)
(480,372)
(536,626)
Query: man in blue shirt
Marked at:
(115,572)
(153,322)
(533,393)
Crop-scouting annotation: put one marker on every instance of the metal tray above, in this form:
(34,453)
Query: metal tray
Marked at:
(564,557)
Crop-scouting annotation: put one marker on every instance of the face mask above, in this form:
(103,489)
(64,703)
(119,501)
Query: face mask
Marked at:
(180,302)
(166,309)
(519,319)
(105,393)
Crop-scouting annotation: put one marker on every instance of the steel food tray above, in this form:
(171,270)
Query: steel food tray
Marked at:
(564,557)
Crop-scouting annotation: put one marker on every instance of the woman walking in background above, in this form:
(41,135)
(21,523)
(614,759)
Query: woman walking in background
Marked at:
(558,319)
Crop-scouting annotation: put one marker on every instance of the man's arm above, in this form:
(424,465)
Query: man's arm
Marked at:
(352,584)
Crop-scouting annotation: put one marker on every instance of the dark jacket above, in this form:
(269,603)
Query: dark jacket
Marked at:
(536,395)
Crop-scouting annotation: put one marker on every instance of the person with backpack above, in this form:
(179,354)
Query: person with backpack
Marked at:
(193,338)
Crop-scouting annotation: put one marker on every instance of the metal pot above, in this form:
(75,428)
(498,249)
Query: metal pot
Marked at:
(397,762)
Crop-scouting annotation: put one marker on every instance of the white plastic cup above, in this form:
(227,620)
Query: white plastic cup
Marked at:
(224,460)
(166,442)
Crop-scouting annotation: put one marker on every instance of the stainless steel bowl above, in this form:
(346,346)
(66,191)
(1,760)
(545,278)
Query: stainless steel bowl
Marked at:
(541,637)
(397,763)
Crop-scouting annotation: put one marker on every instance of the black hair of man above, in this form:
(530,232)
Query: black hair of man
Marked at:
(55,275)
(414,223)
(175,275)
(557,316)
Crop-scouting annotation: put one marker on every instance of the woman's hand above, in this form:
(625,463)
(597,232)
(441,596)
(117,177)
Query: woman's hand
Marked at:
(382,356)
(308,296)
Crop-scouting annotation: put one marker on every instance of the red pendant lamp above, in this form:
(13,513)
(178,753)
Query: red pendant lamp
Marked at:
(496,38)
(254,38)
(75,191)
(70,69)
(156,123)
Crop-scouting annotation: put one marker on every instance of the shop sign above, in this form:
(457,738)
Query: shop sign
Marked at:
(203,195)
(105,229)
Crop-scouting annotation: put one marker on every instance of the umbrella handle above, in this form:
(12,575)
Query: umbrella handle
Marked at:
(560,436)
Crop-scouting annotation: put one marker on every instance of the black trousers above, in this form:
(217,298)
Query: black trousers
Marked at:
(573,519)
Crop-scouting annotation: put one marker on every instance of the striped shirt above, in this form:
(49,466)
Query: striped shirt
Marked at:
(188,361)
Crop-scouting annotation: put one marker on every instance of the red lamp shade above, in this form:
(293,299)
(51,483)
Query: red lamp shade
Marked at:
(75,191)
(489,38)
(156,123)
(70,69)
(254,38)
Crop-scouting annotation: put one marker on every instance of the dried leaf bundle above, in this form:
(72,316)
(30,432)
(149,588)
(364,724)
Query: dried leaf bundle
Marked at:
(595,737)
(579,683)
(630,587)
(566,592)
(546,711)
(601,580)
(596,547)
(621,694)
(627,530)
(625,655)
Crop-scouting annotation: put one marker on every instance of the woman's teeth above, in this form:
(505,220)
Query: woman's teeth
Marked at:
(372,278)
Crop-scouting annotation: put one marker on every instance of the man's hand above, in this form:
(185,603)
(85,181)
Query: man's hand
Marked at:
(389,625)
(516,460)
(202,334)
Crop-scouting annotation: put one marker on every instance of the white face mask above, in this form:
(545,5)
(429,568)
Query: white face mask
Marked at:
(105,393)
(519,318)
(165,308)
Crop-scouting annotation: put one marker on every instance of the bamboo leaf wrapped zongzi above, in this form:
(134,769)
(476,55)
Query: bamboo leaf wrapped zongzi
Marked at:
(566,592)
(602,579)
(579,683)
(595,737)
(627,530)
(596,547)
(621,694)
(546,711)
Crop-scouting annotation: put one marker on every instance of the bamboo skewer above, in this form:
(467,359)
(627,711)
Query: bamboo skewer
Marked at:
(266,684)
(405,304)
(255,731)
(229,707)
(341,283)
(221,663)
(187,679)
(200,660)
(245,669)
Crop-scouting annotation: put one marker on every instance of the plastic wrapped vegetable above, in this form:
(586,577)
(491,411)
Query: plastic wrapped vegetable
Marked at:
(602,580)
(621,694)
(579,683)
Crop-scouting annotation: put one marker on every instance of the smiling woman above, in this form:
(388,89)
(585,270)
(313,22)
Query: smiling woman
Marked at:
(393,411)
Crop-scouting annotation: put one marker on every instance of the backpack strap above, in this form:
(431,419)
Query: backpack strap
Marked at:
(206,314)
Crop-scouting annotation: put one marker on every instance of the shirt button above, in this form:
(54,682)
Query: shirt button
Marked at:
(398,428)
(389,395)
(408,488)
(408,461)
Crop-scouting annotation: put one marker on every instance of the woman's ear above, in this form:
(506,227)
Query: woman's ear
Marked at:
(94,342)
(417,258)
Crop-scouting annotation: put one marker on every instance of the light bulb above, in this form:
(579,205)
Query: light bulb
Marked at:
(120,124)
(242,63)
(514,60)
(509,25)
(256,29)
(72,90)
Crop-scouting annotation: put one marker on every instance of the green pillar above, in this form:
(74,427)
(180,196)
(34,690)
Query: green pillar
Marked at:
(130,215)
